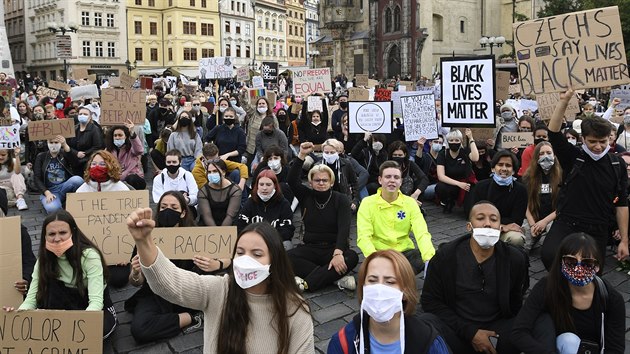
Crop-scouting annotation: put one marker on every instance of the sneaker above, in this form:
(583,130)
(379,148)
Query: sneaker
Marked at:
(301,284)
(347,282)
(197,323)
(21,204)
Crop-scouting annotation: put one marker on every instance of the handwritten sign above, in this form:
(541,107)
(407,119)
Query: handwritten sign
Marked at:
(83,92)
(467,91)
(373,117)
(547,104)
(10,261)
(49,129)
(315,104)
(190,89)
(242,74)
(358,94)
(80,73)
(397,95)
(51,331)
(272,97)
(186,242)
(483,133)
(419,116)
(307,81)
(102,218)
(382,95)
(406,86)
(215,68)
(362,80)
(126,81)
(46,92)
(623,95)
(59,85)
(120,105)
(514,89)
(502,84)
(582,49)
(10,137)
(519,140)
(257,82)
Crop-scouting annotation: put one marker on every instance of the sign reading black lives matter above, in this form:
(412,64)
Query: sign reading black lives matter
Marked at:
(418,113)
(269,71)
(581,49)
(371,117)
(468,91)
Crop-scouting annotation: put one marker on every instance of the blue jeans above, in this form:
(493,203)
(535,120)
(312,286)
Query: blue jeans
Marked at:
(60,191)
(568,343)
(188,162)
(429,193)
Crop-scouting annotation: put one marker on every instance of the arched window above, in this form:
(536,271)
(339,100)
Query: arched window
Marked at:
(397,18)
(388,20)
(437,27)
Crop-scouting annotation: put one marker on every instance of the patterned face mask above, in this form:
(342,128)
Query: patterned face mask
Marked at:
(579,273)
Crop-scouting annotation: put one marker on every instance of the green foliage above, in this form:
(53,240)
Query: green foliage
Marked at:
(558,7)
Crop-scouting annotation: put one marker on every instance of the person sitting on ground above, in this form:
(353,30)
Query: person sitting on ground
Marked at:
(186,140)
(428,163)
(88,138)
(102,174)
(541,133)
(229,137)
(126,145)
(175,178)
(345,178)
(237,172)
(268,136)
(370,152)
(220,198)
(414,181)
(454,170)
(11,180)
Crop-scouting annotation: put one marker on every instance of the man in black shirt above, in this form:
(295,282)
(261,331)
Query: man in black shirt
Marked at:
(594,189)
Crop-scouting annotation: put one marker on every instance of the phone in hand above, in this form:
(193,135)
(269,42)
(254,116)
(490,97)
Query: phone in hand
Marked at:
(494,340)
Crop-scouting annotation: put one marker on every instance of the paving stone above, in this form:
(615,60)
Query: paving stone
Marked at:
(332,312)
(326,330)
(153,349)
(187,341)
(327,300)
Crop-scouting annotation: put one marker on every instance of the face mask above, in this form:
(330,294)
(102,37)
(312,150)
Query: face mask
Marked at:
(83,118)
(38,116)
(249,272)
(282,117)
(546,162)
(331,158)
(580,275)
(593,155)
(502,181)
(182,102)
(377,146)
(538,141)
(343,105)
(436,147)
(298,100)
(184,122)
(572,141)
(593,103)
(214,178)
(168,217)
(454,147)
(486,237)
(265,198)
(119,142)
(59,105)
(507,115)
(317,123)
(400,160)
(228,121)
(172,169)
(59,248)
(195,108)
(222,109)
(262,110)
(588,114)
(98,174)
(274,165)
(268,132)
(233,102)
(382,302)
(163,110)
(54,147)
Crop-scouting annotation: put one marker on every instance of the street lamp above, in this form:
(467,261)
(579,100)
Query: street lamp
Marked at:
(54,28)
(313,54)
(492,42)
(130,67)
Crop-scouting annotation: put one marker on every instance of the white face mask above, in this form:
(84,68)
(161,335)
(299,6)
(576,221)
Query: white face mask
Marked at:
(382,302)
(377,146)
(262,110)
(331,158)
(572,141)
(274,165)
(249,272)
(593,155)
(54,147)
(222,109)
(486,237)
(317,123)
(265,198)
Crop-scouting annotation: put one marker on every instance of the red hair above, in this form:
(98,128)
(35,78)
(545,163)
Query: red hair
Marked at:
(272,176)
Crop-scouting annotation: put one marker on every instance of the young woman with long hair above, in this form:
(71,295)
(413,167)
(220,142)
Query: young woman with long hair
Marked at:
(126,145)
(186,140)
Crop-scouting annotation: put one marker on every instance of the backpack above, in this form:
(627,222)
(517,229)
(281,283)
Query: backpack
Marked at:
(614,161)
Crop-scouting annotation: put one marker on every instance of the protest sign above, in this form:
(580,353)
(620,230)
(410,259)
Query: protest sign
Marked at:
(242,74)
(315,104)
(118,105)
(126,81)
(10,261)
(530,105)
(51,331)
(257,82)
(58,85)
(46,92)
(502,84)
(269,71)
(372,83)
(382,95)
(519,140)
(92,77)
(216,68)
(84,92)
(406,86)
(146,83)
(373,117)
(49,129)
(547,104)
(271,98)
(296,108)
(102,218)
(397,95)
(467,91)
(583,49)
(623,95)
(255,93)
(514,89)
(172,81)
(362,79)
(358,94)
(186,242)
(112,81)
(190,89)
(80,73)
(10,136)
(483,134)
(306,81)
(418,113)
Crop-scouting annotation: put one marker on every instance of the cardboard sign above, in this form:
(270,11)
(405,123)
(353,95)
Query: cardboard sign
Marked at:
(84,92)
(118,105)
(46,92)
(468,91)
(146,83)
(502,84)
(186,242)
(80,73)
(514,89)
(362,80)
(315,104)
(419,116)
(255,93)
(582,49)
(10,261)
(126,81)
(397,95)
(547,104)
(190,89)
(307,81)
(358,94)
(49,129)
(623,95)
(382,95)
(271,98)
(269,71)
(296,108)
(530,105)
(373,117)
(216,68)
(519,140)
(58,85)
(257,82)
(372,83)
(242,74)
(102,218)
(484,134)
(112,81)
(10,136)
(406,85)
(51,331)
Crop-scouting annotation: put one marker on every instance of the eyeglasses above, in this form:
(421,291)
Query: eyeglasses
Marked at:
(196,104)
(572,261)
(321,180)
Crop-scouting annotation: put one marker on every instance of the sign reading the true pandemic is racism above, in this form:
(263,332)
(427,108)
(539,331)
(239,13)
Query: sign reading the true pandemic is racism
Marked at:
(269,71)
(307,81)
(581,49)
(102,216)
(10,262)
(371,117)
(216,68)
(419,116)
(186,242)
(120,105)
(49,129)
(468,91)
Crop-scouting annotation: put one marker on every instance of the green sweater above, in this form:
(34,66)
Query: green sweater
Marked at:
(92,276)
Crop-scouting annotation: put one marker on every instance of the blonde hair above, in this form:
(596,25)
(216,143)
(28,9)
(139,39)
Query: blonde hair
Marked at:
(321,168)
(334,143)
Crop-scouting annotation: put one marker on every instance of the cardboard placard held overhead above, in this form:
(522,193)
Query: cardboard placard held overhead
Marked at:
(51,331)
(59,85)
(514,89)
(113,81)
(547,104)
(468,91)
(583,49)
(242,74)
(502,83)
(623,95)
(271,98)
(80,73)
(216,68)
(127,81)
(307,81)
(519,140)
(373,117)
(186,242)
(190,89)
(46,92)
(118,105)
(257,82)
(483,134)
(418,113)
(315,104)
(10,261)
(10,136)
(296,108)
(84,92)
(397,95)
(362,80)
(102,218)
(49,129)
(358,94)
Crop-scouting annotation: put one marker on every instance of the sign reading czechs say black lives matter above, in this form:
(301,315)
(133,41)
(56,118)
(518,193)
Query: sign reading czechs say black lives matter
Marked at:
(581,49)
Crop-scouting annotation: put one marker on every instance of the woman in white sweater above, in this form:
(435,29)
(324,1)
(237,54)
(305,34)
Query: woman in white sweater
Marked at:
(256,308)
(102,174)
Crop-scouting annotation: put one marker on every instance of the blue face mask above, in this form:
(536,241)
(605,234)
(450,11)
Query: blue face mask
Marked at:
(214,178)
(503,181)
(119,142)
(83,118)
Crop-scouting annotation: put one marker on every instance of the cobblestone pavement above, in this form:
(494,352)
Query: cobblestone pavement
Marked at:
(331,308)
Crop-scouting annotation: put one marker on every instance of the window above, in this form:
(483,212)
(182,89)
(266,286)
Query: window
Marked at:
(98,46)
(138,27)
(232,5)
(139,54)
(170,2)
(290,51)
(86,48)
(260,49)
(111,49)
(274,52)
(98,19)
(259,23)
(281,50)
(139,2)
(266,22)
(170,54)
(192,3)
(207,29)
(152,3)
(154,54)
(280,25)
(238,51)
(290,30)
(190,53)
(228,50)
(247,52)
(207,53)
(301,52)
(237,28)
(301,31)
(247,29)
(204,3)
(437,27)
(388,20)
(267,52)
(169,27)
(397,18)
(301,16)
(153,28)
(238,7)
(227,26)
(462,28)
(110,20)
(85,18)
(190,27)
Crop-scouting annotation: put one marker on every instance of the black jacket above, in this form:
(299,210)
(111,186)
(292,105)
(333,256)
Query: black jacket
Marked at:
(346,180)
(66,159)
(277,212)
(88,141)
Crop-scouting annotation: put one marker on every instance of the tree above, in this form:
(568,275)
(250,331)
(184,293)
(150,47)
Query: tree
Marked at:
(624,9)
(559,7)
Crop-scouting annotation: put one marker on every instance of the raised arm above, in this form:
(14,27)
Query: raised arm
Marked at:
(558,114)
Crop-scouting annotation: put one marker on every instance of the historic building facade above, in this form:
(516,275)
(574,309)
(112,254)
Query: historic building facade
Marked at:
(237,40)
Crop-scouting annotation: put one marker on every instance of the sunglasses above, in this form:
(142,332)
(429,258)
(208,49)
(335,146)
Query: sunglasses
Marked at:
(196,104)
(572,261)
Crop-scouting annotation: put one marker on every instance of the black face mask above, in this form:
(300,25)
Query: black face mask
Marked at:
(168,217)
(228,121)
(268,132)
(281,117)
(172,169)
(538,141)
(343,105)
(400,160)
(184,122)
(163,110)
(454,146)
